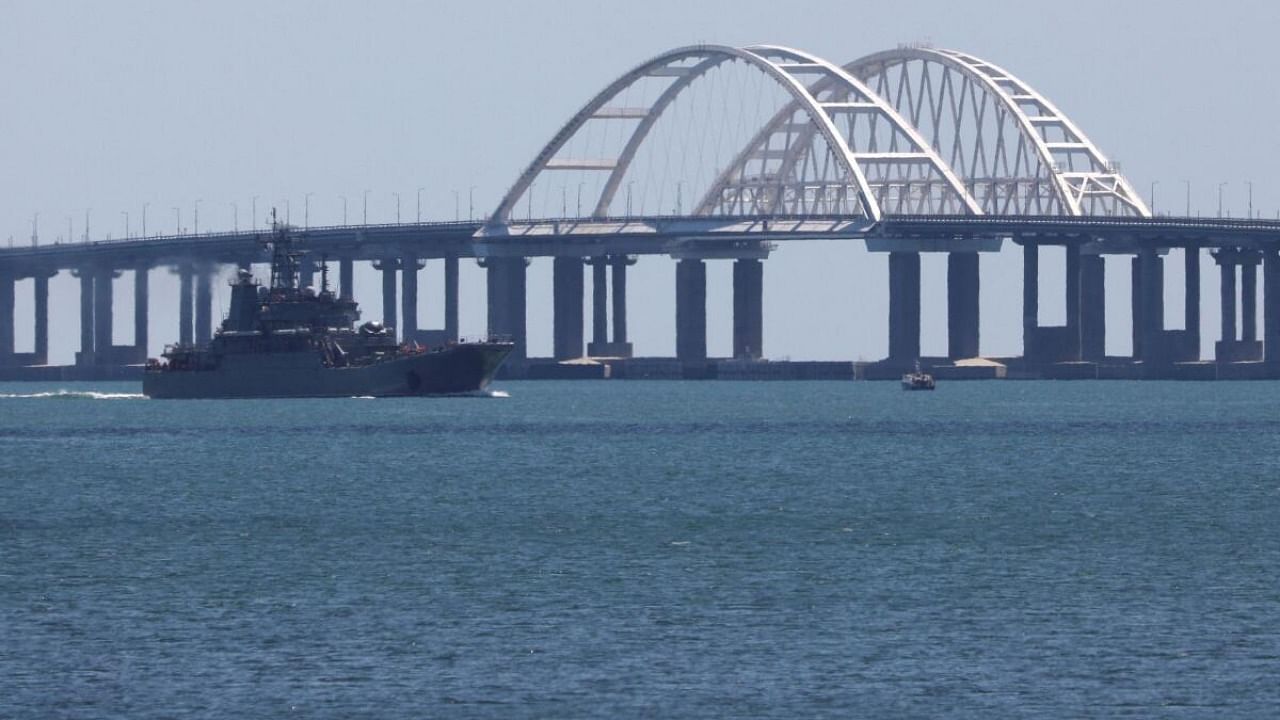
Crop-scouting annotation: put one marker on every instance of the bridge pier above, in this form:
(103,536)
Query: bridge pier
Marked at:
(1093,308)
(141,301)
(599,305)
(1249,297)
(451,298)
(346,278)
(507,302)
(204,305)
(748,308)
(409,267)
(186,278)
(567,287)
(388,266)
(1271,306)
(1030,299)
(962,305)
(621,346)
(606,270)
(42,319)
(1149,266)
(904,307)
(7,303)
(1191,302)
(691,309)
(1239,344)
(85,356)
(306,271)
(103,315)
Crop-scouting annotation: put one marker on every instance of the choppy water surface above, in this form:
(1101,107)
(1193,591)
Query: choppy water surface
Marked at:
(644,549)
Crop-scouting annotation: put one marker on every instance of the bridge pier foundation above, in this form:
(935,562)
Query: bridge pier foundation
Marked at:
(691,309)
(1093,308)
(451,298)
(962,305)
(204,305)
(507,303)
(904,307)
(567,287)
(748,308)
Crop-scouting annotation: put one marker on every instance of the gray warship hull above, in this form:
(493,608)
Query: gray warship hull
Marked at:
(453,370)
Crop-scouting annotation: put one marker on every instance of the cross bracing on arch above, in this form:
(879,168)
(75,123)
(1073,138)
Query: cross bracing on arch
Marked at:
(1015,151)
(843,151)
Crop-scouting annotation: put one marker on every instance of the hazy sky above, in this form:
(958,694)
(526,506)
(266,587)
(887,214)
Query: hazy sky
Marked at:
(107,106)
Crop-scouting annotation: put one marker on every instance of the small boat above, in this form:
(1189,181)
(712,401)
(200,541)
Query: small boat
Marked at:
(917,380)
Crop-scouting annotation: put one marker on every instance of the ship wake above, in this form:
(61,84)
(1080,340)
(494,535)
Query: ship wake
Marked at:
(74,395)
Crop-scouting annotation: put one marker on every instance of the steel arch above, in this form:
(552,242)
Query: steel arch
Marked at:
(1089,184)
(902,170)
(784,66)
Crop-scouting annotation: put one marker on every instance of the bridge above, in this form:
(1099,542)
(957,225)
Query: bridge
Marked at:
(708,153)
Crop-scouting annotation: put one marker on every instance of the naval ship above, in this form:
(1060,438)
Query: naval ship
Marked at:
(291,341)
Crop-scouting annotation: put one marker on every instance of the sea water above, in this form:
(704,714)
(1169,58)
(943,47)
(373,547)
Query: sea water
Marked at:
(644,549)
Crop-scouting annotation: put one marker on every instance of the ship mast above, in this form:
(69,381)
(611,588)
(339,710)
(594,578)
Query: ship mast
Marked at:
(284,261)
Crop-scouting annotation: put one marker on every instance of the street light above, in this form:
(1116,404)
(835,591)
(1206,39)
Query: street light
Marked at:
(344,209)
(579,210)
(629,184)
(255,212)
(471,203)
(125,213)
(235,217)
(86,223)
(420,204)
(366,207)
(35,230)
(1250,184)
(1188,182)
(397,207)
(564,202)
(177,220)
(1154,183)
(144,218)
(1221,185)
(196,222)
(455,206)
(306,210)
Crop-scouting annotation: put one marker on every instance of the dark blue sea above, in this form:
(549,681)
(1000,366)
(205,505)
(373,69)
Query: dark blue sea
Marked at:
(644,549)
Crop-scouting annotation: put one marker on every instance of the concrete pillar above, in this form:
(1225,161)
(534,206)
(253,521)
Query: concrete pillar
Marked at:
(346,278)
(619,291)
(186,277)
(409,266)
(1136,300)
(451,298)
(7,302)
(86,317)
(904,306)
(567,287)
(1151,266)
(1249,298)
(306,272)
(506,291)
(389,319)
(1093,308)
(1191,304)
(204,305)
(1271,306)
(748,308)
(1074,328)
(42,319)
(103,314)
(141,300)
(691,309)
(962,305)
(1227,263)
(599,302)
(1030,297)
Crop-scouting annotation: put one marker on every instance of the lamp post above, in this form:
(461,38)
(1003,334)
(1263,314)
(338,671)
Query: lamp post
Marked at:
(629,184)
(35,229)
(306,210)
(86,223)
(255,212)
(1250,184)
(177,220)
(344,209)
(455,206)
(366,207)
(196,222)
(420,204)
(578,212)
(125,213)
(1154,183)
(144,218)
(1188,182)
(397,207)
(1221,185)
(235,217)
(564,202)
(471,203)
